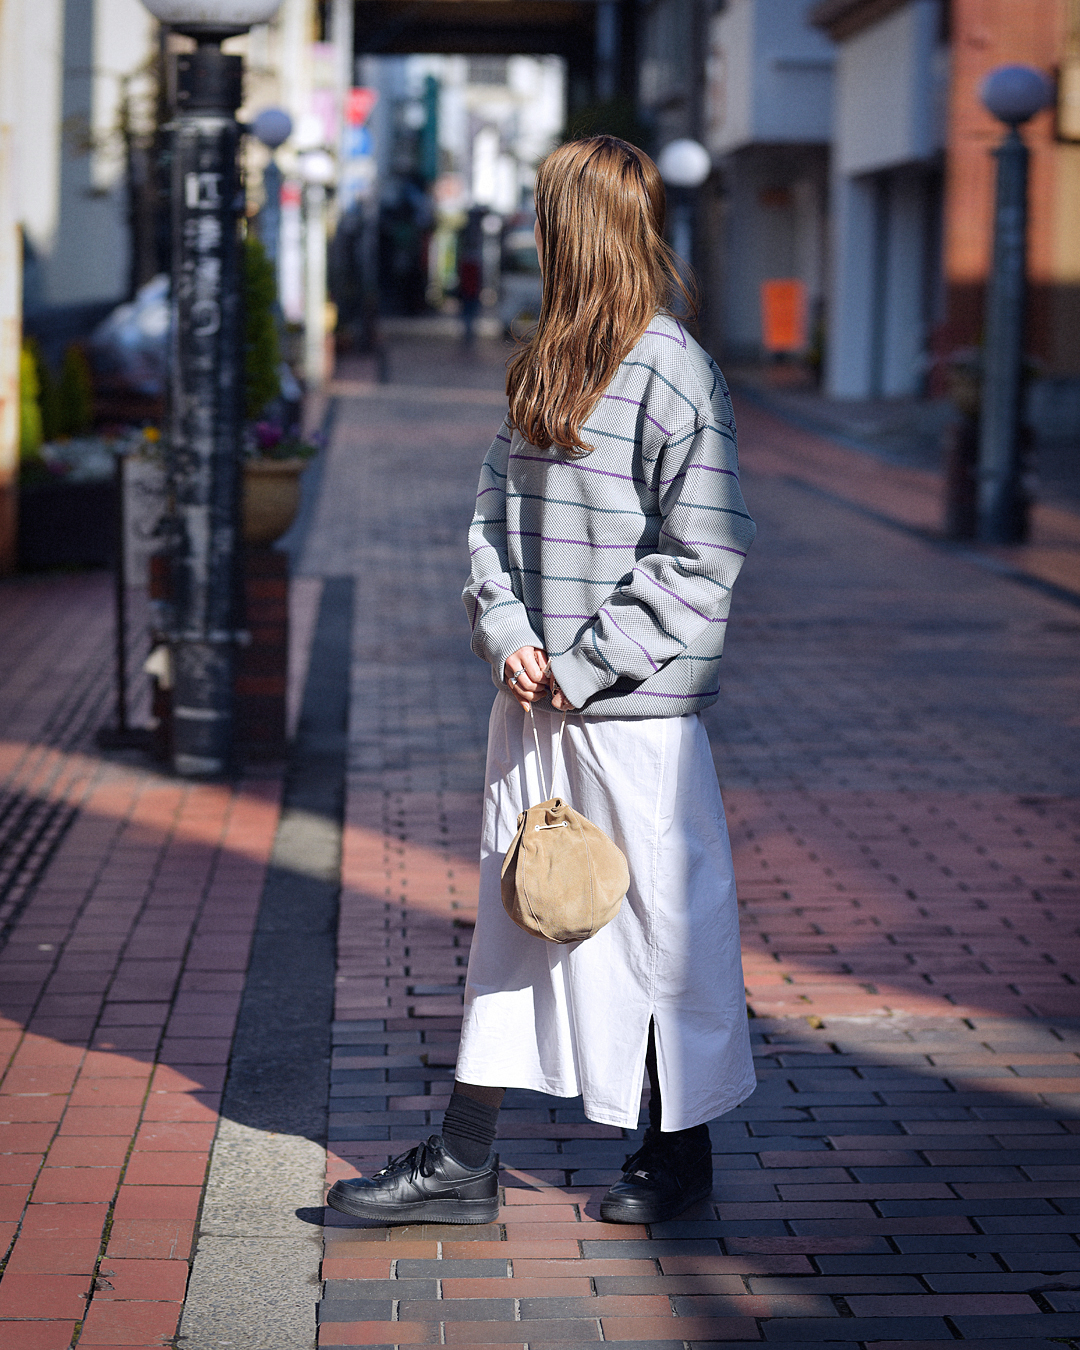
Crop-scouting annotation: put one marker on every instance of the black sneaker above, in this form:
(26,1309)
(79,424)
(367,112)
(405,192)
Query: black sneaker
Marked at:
(660,1180)
(426,1185)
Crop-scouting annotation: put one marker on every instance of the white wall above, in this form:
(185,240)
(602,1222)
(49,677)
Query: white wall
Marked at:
(878,328)
(78,60)
(38,79)
(888,101)
(773,228)
(850,352)
(769,76)
(903,317)
(888,130)
(124,39)
(729,82)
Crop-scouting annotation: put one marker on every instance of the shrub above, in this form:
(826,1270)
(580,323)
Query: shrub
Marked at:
(74,394)
(30,429)
(47,391)
(261,355)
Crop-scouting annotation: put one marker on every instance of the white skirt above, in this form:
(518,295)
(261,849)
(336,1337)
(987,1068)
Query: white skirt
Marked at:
(570,1020)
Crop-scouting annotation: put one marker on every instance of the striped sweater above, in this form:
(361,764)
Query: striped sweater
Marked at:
(619,563)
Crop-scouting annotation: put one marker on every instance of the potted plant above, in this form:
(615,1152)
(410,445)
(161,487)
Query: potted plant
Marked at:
(276,457)
(272,483)
(66,471)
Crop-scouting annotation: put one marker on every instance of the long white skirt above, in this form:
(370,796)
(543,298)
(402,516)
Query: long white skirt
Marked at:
(574,1019)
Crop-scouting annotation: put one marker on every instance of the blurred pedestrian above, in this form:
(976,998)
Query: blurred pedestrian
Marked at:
(609,530)
(468,289)
(470,272)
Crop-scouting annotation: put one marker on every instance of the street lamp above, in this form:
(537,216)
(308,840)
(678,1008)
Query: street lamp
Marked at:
(1013,94)
(273,126)
(205,378)
(684,165)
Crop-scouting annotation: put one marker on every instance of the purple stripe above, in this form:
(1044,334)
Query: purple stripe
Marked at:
(707,467)
(653,332)
(626,635)
(621,398)
(547,539)
(675,596)
(487,490)
(505,439)
(701,543)
(582,468)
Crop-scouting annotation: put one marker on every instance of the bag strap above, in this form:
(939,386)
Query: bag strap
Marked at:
(540,758)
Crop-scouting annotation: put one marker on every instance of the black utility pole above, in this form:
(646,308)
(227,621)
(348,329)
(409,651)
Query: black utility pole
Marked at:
(205,397)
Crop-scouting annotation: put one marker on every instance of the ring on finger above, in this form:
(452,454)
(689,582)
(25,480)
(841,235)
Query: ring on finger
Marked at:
(515,677)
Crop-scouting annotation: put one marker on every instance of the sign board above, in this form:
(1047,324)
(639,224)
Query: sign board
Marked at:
(359,103)
(783,315)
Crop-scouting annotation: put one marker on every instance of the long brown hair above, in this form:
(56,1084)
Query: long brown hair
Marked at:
(607,271)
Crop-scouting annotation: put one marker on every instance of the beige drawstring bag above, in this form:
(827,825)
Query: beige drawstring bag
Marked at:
(563,879)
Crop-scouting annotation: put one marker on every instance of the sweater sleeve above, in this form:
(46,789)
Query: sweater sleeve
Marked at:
(676,593)
(500,621)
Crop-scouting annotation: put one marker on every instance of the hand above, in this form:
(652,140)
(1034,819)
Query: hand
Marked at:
(533,682)
(559,701)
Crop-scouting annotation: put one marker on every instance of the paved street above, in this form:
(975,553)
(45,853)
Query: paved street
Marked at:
(898,741)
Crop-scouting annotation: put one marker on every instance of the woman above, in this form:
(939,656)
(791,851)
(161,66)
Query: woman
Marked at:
(609,530)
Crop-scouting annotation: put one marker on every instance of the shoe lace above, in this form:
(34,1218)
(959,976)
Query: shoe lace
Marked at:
(418,1161)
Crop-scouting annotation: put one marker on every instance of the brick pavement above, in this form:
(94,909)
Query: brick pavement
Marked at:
(909,496)
(128,904)
(897,745)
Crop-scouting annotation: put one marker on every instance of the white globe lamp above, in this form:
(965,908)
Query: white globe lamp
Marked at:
(214,19)
(1014,94)
(317,168)
(272,126)
(684,163)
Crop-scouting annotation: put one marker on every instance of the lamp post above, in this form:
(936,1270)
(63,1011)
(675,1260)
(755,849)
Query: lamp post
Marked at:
(684,165)
(273,126)
(1013,94)
(205,379)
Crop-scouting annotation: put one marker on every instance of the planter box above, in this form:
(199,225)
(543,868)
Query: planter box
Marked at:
(65,525)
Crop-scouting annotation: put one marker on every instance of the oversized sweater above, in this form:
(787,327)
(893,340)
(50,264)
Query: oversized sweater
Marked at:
(620,562)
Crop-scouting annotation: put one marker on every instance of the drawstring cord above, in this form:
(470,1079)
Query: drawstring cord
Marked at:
(540,758)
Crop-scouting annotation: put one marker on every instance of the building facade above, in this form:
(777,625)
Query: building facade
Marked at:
(888,139)
(1044,34)
(768,93)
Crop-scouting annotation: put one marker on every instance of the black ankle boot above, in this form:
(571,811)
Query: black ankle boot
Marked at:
(663,1178)
(425,1185)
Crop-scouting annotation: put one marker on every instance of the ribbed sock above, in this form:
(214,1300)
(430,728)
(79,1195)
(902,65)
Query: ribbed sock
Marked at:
(468,1129)
(695,1134)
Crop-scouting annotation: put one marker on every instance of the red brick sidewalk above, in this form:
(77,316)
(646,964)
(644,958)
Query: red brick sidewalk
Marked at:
(121,979)
(894,743)
(897,743)
(912,497)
